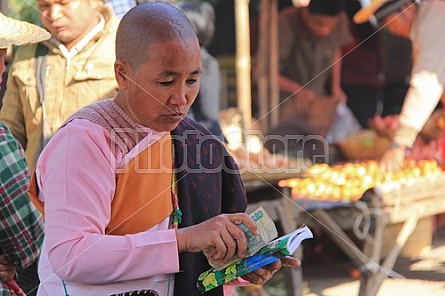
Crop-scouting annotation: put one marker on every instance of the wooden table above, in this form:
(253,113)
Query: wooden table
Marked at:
(391,204)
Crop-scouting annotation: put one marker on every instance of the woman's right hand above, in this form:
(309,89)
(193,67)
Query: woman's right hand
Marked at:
(219,236)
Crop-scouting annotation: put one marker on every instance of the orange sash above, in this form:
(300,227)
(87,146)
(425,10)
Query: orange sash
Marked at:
(143,197)
(143,191)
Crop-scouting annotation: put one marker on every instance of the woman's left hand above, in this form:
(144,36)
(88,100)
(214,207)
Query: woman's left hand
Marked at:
(262,275)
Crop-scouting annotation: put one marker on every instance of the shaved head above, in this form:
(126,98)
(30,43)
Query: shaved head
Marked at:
(147,24)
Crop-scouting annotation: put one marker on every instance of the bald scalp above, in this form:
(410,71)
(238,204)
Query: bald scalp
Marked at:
(147,24)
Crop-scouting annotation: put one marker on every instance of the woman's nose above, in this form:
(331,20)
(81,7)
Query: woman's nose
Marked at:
(180,97)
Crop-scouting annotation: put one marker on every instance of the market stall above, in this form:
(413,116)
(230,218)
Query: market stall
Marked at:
(337,198)
(364,205)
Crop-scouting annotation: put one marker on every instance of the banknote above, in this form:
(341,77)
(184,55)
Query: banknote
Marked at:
(283,246)
(267,232)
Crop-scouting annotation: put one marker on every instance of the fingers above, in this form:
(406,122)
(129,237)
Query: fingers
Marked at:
(236,231)
(262,275)
(233,238)
(392,160)
(6,276)
(290,262)
(230,240)
(4,259)
(242,218)
(7,269)
(220,237)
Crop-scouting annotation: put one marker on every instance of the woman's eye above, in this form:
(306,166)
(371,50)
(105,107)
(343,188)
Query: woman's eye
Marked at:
(166,83)
(192,81)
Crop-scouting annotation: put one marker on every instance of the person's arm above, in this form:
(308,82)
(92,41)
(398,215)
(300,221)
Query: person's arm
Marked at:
(420,101)
(293,88)
(342,37)
(288,39)
(21,226)
(428,72)
(336,89)
(427,85)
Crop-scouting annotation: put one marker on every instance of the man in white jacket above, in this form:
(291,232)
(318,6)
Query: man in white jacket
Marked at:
(421,22)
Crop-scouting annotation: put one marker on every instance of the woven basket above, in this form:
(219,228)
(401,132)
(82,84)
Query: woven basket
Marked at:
(318,116)
(365,144)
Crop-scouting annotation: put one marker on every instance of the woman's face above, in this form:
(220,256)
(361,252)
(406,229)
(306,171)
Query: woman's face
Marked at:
(161,90)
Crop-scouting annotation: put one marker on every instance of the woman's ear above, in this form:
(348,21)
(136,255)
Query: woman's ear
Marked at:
(120,72)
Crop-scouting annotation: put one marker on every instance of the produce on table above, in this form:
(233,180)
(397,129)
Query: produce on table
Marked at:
(349,181)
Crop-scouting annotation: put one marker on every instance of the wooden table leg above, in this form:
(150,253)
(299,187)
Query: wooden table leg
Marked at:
(390,260)
(373,274)
(340,237)
(372,250)
(286,212)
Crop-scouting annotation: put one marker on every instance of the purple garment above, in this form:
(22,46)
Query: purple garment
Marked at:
(216,187)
